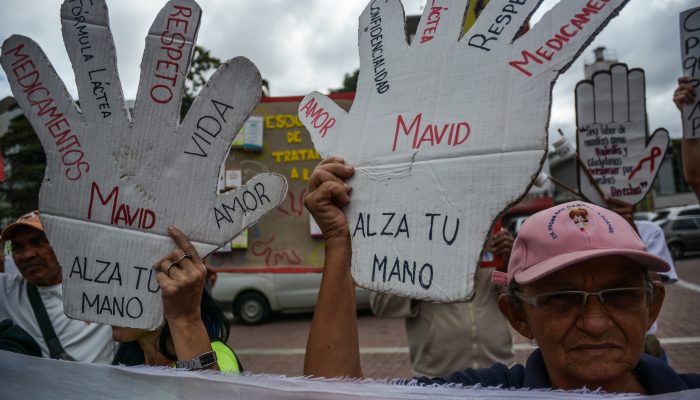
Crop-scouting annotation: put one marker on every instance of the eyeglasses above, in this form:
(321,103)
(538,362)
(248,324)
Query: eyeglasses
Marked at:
(619,299)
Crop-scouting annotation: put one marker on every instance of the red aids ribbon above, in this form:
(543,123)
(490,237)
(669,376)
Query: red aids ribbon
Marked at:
(655,152)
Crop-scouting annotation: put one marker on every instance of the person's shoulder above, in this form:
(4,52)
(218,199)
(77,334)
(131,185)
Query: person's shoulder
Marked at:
(10,281)
(692,380)
(496,375)
(647,227)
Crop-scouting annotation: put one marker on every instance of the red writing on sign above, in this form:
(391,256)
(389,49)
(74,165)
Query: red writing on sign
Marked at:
(433,21)
(120,213)
(274,257)
(320,119)
(172,40)
(557,42)
(453,134)
(45,109)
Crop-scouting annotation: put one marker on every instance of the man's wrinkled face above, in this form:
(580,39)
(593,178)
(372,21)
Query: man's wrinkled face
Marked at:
(35,258)
(595,345)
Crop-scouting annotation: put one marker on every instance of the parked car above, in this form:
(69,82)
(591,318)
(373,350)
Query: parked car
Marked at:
(255,296)
(644,216)
(682,235)
(664,214)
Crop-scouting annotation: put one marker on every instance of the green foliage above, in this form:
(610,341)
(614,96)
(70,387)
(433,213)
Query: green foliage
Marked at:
(25,163)
(349,83)
(202,66)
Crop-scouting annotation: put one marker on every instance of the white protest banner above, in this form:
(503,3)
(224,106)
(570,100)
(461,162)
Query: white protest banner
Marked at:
(612,139)
(445,133)
(690,58)
(83,381)
(115,180)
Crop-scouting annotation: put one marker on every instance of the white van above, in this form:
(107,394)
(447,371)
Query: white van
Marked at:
(254,296)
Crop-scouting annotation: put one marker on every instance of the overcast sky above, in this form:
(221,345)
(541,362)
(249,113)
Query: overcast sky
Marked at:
(305,45)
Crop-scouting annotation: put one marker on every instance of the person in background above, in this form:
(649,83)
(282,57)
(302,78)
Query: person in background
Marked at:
(685,94)
(444,337)
(195,330)
(41,273)
(585,296)
(654,239)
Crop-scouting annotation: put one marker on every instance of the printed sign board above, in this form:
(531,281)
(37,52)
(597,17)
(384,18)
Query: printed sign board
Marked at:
(690,58)
(285,240)
(114,179)
(617,159)
(445,133)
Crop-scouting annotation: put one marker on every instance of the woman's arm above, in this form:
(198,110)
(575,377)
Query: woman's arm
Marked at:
(685,94)
(333,347)
(181,287)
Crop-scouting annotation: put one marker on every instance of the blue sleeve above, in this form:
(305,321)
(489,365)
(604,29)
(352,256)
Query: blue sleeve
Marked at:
(496,375)
(692,380)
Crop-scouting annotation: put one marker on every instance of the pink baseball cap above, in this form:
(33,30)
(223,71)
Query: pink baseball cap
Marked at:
(569,233)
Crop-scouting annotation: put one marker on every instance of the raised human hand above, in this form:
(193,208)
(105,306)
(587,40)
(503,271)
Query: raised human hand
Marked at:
(326,196)
(116,179)
(612,143)
(444,133)
(181,275)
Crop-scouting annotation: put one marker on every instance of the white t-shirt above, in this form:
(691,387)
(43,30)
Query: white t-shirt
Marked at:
(84,341)
(655,240)
(10,267)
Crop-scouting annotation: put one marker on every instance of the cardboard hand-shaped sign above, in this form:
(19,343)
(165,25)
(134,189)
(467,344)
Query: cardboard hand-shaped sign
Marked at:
(612,140)
(690,57)
(445,133)
(115,180)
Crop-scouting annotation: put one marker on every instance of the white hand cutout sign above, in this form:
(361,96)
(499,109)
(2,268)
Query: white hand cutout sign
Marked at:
(115,181)
(612,120)
(445,133)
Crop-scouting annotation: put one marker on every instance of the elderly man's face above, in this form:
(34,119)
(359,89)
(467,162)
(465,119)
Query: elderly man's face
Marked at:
(597,345)
(35,258)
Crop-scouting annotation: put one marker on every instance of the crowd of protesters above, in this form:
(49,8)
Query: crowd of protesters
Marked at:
(587,296)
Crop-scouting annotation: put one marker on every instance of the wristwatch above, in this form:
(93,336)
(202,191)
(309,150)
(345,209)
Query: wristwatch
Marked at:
(202,361)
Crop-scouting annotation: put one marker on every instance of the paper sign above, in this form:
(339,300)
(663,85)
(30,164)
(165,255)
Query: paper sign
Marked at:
(612,139)
(115,181)
(234,178)
(690,57)
(444,133)
(238,140)
(314,229)
(253,134)
(240,241)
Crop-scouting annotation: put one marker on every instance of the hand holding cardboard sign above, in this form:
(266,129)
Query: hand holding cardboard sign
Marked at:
(611,120)
(444,133)
(326,194)
(116,179)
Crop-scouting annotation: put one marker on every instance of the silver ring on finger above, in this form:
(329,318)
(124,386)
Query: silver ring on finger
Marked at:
(186,255)
(172,264)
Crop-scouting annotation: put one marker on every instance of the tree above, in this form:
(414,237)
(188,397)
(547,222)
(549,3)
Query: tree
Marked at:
(349,83)
(202,66)
(26,162)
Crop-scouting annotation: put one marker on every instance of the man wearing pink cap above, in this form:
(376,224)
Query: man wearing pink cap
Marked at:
(41,274)
(578,284)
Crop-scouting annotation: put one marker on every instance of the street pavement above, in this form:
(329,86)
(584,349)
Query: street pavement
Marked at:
(278,346)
